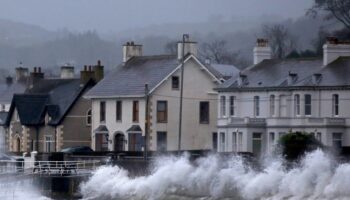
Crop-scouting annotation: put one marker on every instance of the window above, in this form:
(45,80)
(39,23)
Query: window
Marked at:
(283,103)
(232,105)
(297,105)
(307,104)
(88,118)
(135,111)
(49,144)
(204,112)
(234,141)
(175,82)
(272,105)
(162,111)
(215,140)
(223,106)
(337,140)
(319,136)
(102,111)
(335,102)
(256,106)
(119,111)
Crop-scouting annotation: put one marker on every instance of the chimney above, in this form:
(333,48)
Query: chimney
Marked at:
(67,72)
(9,81)
(98,71)
(333,49)
(130,49)
(190,47)
(262,51)
(21,74)
(36,76)
(86,74)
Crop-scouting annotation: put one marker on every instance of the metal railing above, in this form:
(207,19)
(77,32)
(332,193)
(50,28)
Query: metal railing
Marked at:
(60,168)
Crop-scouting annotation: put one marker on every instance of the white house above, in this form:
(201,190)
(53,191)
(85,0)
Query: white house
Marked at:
(119,102)
(274,97)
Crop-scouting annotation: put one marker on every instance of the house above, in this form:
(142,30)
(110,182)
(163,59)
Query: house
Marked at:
(52,114)
(119,102)
(277,96)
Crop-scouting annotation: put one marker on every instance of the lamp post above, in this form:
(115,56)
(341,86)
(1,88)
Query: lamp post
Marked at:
(184,37)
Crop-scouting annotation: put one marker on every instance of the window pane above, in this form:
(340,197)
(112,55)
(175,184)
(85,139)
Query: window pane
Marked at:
(272,105)
(162,111)
(232,105)
(307,104)
(102,111)
(256,106)
(135,115)
(297,104)
(204,112)
(335,105)
(119,111)
(223,106)
(175,82)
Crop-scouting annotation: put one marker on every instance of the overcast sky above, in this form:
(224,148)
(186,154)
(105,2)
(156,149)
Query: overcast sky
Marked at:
(117,15)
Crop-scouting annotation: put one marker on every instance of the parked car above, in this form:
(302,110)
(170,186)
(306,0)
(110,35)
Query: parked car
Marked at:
(78,149)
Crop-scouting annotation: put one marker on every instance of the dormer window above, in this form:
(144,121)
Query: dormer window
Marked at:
(292,78)
(175,82)
(316,79)
(242,80)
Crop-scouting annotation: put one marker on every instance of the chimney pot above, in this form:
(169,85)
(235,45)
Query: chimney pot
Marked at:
(34,69)
(99,63)
(90,68)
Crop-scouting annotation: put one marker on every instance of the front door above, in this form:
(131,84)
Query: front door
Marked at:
(101,143)
(257,144)
(119,142)
(135,142)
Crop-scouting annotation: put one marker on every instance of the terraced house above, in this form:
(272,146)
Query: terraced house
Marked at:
(51,113)
(119,102)
(274,97)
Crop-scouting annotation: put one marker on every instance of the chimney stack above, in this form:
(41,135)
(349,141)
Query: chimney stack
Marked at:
(67,72)
(262,51)
(86,74)
(130,49)
(190,47)
(21,73)
(9,81)
(334,49)
(36,76)
(98,71)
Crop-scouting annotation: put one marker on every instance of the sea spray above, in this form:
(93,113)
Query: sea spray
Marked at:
(317,176)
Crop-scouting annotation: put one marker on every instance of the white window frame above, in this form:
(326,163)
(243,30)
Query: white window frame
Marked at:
(89,116)
(48,142)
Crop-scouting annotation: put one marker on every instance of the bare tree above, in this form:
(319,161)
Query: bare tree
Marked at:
(337,9)
(171,47)
(280,40)
(218,52)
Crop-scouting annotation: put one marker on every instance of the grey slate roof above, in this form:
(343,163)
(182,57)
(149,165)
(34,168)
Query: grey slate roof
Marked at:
(52,96)
(226,71)
(129,79)
(134,128)
(274,73)
(101,129)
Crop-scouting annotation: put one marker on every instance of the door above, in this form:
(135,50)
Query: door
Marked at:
(119,141)
(161,141)
(257,144)
(18,145)
(135,142)
(215,141)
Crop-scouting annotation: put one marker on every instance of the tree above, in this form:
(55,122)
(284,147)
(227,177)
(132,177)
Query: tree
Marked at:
(171,47)
(334,9)
(218,52)
(280,40)
(296,144)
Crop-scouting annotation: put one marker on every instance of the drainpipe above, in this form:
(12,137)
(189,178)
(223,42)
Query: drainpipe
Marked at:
(37,138)
(146,121)
(184,36)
